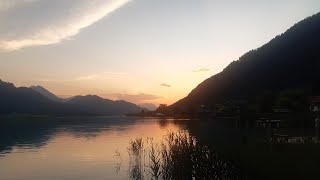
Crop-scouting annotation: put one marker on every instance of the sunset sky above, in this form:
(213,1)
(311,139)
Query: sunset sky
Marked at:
(141,51)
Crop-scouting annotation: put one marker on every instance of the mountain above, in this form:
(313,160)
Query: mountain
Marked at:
(148,106)
(47,93)
(290,60)
(6,85)
(38,100)
(26,100)
(98,105)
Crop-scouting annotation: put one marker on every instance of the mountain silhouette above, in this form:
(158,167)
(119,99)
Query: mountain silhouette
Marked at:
(148,106)
(26,100)
(38,100)
(98,105)
(47,93)
(290,60)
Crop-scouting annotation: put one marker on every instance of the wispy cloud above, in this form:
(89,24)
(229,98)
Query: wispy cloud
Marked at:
(7,4)
(63,20)
(86,78)
(165,85)
(201,70)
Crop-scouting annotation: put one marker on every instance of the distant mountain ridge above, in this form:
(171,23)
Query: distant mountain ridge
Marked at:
(38,100)
(148,106)
(291,60)
(27,101)
(102,106)
(47,93)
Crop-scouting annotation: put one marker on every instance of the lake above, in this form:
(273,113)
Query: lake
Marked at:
(38,148)
(72,148)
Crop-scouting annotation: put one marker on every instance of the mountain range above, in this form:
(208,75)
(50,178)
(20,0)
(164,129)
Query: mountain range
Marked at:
(100,106)
(38,100)
(289,61)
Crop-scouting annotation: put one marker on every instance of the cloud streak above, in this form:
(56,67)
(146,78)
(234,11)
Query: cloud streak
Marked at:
(49,26)
(102,76)
(165,85)
(201,70)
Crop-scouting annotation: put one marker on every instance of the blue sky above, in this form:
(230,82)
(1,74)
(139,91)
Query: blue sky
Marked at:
(140,50)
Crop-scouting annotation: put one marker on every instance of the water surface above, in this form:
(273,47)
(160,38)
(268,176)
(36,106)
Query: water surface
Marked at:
(38,148)
(72,148)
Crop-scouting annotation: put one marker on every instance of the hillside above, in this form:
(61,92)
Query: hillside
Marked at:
(98,105)
(26,100)
(38,100)
(290,60)
(148,106)
(47,93)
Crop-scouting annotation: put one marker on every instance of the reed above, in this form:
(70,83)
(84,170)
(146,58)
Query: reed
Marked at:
(177,156)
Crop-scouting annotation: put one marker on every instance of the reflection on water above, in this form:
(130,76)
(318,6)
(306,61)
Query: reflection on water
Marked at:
(71,148)
(40,148)
(295,157)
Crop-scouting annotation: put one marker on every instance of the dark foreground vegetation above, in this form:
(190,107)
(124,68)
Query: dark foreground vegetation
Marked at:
(177,156)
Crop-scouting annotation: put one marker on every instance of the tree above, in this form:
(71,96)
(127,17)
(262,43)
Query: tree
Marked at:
(163,108)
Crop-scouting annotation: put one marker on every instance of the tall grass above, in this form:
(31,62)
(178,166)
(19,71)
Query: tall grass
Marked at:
(137,159)
(177,156)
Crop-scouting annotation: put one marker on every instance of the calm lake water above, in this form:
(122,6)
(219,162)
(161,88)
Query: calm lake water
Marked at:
(39,148)
(73,148)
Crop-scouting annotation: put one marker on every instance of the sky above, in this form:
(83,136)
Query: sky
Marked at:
(142,51)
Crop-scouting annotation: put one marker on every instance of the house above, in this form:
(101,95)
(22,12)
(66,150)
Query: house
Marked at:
(160,114)
(315,104)
(205,109)
(268,123)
